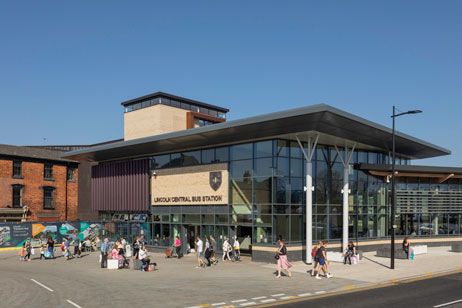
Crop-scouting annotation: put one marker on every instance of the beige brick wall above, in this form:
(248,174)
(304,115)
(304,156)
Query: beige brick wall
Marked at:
(192,183)
(153,120)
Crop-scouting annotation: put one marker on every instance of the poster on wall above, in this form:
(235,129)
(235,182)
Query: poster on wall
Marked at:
(5,236)
(90,230)
(14,235)
(41,232)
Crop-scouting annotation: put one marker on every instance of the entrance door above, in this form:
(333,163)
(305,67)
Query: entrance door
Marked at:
(244,234)
(192,232)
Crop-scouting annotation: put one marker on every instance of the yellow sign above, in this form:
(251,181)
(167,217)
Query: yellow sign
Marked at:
(195,185)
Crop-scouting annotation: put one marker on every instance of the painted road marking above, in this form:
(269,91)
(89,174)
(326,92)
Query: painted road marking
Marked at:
(268,300)
(42,285)
(429,273)
(394,280)
(248,304)
(72,303)
(289,297)
(239,301)
(261,297)
(218,304)
(278,295)
(447,304)
(304,294)
(320,292)
(350,287)
(205,305)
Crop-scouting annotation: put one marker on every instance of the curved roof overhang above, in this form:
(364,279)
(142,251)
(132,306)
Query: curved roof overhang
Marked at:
(334,126)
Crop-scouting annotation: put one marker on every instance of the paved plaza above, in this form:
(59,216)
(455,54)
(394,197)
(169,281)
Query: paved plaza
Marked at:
(177,283)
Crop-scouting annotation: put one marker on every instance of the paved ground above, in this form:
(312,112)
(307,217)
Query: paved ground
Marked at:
(178,283)
(437,292)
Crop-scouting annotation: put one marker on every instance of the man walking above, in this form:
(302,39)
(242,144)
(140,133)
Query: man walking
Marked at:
(104,252)
(321,255)
(199,249)
(76,244)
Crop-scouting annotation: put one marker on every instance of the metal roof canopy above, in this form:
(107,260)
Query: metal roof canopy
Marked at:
(335,127)
(406,169)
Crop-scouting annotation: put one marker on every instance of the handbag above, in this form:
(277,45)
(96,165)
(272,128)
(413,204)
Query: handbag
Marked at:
(276,256)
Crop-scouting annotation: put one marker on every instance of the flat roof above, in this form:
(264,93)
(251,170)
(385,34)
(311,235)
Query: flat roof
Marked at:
(335,127)
(174,97)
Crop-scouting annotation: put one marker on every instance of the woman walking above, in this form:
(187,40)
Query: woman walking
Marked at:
(51,246)
(226,249)
(27,250)
(407,249)
(281,256)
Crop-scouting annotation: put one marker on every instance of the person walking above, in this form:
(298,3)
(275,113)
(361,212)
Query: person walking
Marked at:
(315,257)
(226,249)
(76,244)
(350,251)
(199,250)
(27,250)
(282,262)
(407,249)
(237,250)
(213,247)
(178,247)
(207,253)
(51,246)
(104,252)
(321,254)
(66,251)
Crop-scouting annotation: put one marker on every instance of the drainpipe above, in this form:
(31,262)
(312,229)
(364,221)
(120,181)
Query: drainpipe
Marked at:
(65,177)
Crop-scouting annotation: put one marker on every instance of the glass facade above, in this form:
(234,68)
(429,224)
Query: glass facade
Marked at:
(267,198)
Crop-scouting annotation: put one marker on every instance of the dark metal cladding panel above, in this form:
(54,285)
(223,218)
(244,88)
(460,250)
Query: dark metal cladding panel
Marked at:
(121,187)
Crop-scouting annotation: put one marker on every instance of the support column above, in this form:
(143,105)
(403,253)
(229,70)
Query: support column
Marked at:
(309,211)
(309,195)
(345,191)
(345,206)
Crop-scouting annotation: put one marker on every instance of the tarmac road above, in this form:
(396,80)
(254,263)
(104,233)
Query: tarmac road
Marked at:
(442,291)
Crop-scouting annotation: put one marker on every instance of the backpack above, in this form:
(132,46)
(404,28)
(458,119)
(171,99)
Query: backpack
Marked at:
(313,251)
(319,253)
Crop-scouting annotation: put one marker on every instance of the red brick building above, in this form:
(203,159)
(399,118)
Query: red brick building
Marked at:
(37,185)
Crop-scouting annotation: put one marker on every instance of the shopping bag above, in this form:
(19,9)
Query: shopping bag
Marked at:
(32,251)
(354,260)
(412,255)
(100,258)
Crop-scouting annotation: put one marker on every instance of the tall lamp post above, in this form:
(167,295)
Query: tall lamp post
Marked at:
(393,205)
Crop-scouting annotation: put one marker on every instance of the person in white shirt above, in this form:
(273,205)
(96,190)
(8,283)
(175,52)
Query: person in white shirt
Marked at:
(237,249)
(199,250)
(226,249)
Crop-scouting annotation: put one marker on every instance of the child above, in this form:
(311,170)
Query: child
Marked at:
(21,254)
(42,252)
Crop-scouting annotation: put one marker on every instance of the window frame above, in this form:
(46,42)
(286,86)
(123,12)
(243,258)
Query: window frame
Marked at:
(68,178)
(50,198)
(48,167)
(16,188)
(17,176)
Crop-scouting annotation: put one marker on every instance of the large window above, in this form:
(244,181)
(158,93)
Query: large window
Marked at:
(48,198)
(48,172)
(17,169)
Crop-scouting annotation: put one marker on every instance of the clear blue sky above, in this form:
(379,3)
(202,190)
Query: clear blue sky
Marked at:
(65,66)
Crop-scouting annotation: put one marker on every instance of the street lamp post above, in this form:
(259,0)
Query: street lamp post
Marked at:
(393,199)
